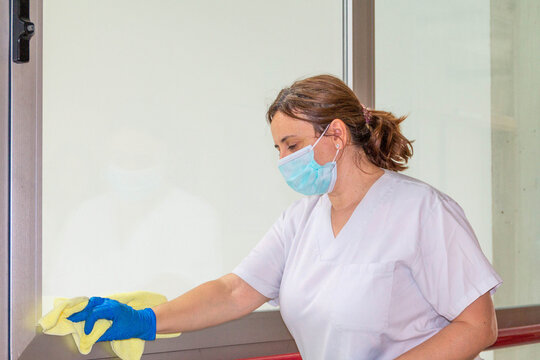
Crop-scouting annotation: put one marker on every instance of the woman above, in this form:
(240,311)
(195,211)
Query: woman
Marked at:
(372,264)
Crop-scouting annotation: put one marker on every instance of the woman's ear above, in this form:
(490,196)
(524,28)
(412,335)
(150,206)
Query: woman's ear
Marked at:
(339,133)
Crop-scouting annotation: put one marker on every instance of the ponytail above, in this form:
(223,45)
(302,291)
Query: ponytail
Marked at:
(387,147)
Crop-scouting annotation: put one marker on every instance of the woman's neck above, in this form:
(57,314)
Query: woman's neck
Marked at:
(353,182)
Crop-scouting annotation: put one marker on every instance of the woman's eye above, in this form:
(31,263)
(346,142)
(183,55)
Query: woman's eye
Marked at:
(292,147)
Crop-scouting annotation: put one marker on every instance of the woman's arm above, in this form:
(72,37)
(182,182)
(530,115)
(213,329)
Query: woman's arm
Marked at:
(471,332)
(209,304)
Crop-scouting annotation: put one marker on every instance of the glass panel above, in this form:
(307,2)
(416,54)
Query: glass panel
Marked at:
(515,109)
(159,171)
(436,69)
(468,75)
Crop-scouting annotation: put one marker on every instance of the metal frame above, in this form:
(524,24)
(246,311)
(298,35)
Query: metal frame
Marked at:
(262,333)
(362,46)
(345,49)
(4,177)
(25,195)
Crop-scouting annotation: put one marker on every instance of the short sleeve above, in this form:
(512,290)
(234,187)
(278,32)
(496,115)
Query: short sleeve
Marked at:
(450,268)
(263,268)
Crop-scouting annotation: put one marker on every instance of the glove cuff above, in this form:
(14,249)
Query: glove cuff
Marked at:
(149,318)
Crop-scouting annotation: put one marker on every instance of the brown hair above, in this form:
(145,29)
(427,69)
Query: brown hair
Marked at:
(324,98)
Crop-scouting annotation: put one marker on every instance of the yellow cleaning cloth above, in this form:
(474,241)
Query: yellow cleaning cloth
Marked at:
(56,323)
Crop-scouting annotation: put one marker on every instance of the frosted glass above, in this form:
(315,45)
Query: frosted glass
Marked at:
(516,152)
(159,171)
(436,69)
(467,74)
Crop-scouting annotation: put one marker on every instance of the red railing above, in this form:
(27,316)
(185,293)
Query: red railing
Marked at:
(520,335)
(514,336)
(295,356)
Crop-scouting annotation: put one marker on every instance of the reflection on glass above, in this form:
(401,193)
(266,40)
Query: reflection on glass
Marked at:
(159,171)
(141,232)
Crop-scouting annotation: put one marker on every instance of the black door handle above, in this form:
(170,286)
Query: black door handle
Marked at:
(23,30)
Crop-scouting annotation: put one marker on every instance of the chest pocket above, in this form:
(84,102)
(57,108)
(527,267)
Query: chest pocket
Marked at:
(362,297)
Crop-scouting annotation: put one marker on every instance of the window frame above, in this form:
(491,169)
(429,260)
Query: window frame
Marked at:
(4,178)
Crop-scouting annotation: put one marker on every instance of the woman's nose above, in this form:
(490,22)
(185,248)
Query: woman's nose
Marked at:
(283,153)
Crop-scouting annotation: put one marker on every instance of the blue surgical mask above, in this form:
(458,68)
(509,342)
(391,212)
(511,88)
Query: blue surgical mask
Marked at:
(305,175)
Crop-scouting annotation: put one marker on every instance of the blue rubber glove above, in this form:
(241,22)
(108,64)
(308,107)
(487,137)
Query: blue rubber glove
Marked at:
(127,323)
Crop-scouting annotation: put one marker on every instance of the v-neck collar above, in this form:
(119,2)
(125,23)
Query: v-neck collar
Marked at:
(361,213)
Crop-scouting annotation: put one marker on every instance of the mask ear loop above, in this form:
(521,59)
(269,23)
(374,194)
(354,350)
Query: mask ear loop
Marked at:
(320,137)
(337,152)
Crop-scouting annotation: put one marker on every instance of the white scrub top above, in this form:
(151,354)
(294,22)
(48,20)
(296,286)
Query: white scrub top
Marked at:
(406,264)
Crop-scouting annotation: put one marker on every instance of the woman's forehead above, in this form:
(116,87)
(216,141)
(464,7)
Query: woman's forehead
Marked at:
(284,125)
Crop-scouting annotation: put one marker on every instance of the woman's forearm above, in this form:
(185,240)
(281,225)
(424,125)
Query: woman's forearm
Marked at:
(457,341)
(209,304)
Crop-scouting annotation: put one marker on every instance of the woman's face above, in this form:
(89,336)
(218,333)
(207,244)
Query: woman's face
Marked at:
(291,135)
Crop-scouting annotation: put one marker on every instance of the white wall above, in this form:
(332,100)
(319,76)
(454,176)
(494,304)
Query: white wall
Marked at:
(159,171)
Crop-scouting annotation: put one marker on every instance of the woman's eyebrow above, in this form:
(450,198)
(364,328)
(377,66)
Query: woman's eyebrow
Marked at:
(285,138)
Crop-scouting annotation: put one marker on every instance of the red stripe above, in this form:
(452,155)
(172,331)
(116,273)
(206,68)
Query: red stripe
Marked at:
(277,357)
(517,336)
(507,337)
